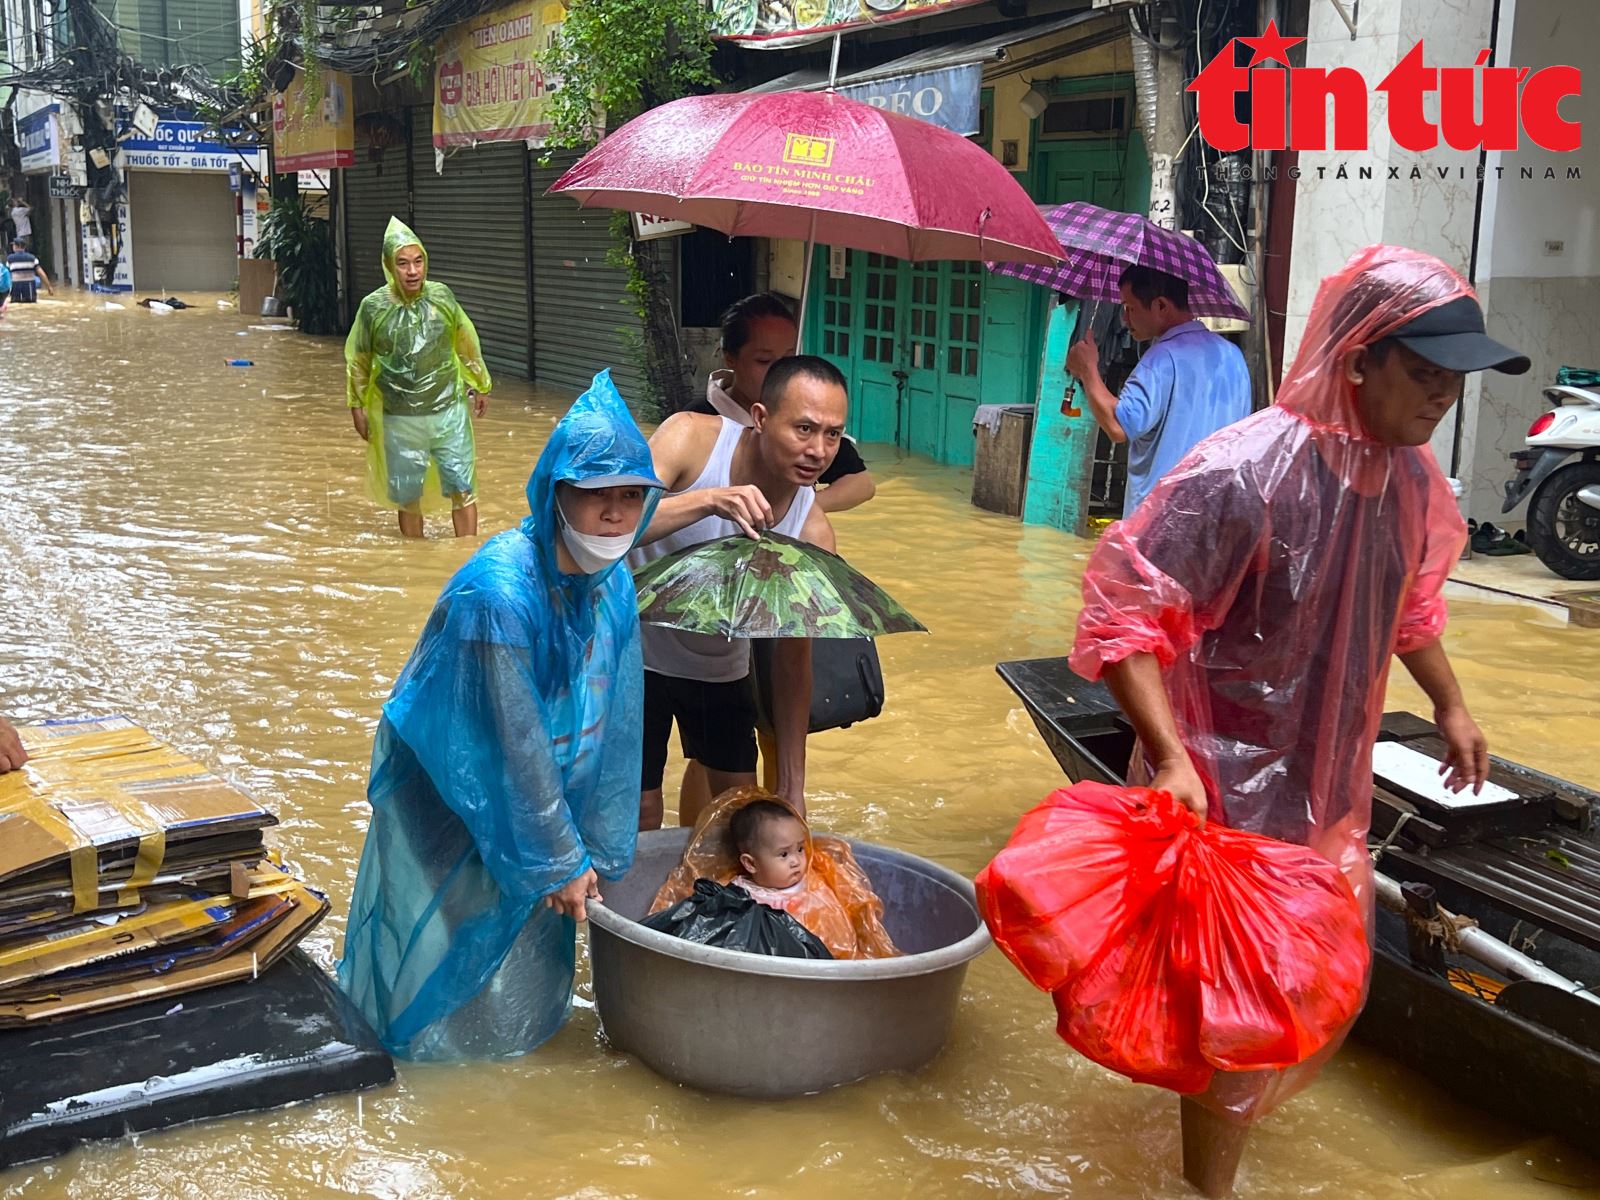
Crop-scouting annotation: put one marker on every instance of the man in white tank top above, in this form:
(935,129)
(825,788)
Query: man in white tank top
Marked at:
(723,479)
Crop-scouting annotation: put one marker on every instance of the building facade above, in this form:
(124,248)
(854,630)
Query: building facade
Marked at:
(1080,100)
(180,213)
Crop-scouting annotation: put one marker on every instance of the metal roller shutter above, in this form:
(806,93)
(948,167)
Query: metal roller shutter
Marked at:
(369,199)
(580,321)
(473,220)
(185,231)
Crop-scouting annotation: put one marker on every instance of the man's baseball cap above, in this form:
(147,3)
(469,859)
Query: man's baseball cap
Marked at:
(1451,336)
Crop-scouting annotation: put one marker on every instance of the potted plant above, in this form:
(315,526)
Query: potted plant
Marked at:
(302,246)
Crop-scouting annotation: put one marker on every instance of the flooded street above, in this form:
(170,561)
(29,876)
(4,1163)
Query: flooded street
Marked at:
(189,543)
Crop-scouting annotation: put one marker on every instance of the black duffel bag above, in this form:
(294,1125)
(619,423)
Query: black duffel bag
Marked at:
(846,681)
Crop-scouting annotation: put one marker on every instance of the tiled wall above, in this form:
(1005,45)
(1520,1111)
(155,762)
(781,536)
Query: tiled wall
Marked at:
(1547,305)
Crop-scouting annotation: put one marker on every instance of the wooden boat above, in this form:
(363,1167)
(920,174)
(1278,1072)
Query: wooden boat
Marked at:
(1526,870)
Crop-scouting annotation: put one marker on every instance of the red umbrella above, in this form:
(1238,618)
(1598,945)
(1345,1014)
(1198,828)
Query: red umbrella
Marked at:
(819,167)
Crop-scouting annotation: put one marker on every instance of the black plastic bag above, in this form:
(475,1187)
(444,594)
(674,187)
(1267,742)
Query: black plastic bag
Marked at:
(729,917)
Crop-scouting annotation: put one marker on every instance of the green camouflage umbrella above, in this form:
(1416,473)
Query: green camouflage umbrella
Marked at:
(777,587)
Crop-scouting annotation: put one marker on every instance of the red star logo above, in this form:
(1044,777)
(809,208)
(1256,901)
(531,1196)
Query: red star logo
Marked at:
(1270,46)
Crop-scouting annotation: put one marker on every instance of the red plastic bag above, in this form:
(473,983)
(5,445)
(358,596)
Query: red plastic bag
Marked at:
(1174,950)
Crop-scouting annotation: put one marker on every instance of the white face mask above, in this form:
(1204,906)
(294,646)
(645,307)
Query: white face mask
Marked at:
(593,552)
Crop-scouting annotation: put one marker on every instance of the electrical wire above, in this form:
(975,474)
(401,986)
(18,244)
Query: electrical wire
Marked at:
(1205,170)
(379,55)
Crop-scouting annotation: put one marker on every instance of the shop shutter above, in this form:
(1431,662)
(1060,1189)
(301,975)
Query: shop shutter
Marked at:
(581,323)
(185,232)
(373,192)
(473,220)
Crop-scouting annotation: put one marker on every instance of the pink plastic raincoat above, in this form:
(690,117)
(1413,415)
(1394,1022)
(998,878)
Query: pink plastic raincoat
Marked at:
(1274,573)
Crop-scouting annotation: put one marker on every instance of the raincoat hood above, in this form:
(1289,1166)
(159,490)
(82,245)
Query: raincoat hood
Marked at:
(395,239)
(597,440)
(1378,290)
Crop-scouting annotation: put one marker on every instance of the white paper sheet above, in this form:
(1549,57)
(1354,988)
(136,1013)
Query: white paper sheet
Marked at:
(1415,772)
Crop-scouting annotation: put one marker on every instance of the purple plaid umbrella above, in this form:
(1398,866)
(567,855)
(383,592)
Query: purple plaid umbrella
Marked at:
(1100,244)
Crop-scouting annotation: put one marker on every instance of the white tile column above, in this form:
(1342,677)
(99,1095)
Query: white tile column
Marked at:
(1432,203)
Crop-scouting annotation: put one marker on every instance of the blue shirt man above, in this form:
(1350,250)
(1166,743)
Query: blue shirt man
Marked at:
(26,274)
(1189,384)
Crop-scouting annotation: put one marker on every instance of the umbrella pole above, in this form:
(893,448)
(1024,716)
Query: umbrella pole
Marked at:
(811,238)
(805,285)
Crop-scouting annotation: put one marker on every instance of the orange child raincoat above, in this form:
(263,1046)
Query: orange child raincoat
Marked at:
(1274,573)
(837,902)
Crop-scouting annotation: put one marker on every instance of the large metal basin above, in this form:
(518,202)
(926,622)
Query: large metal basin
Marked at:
(751,1025)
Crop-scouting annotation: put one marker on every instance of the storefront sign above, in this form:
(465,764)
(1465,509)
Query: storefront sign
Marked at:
(179,145)
(490,84)
(760,25)
(39,140)
(62,188)
(646,227)
(317,135)
(950,99)
(250,196)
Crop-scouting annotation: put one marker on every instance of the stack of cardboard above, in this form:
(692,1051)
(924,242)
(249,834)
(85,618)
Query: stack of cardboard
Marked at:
(128,871)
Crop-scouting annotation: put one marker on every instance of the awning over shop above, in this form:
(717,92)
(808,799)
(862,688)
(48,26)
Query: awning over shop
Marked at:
(762,26)
(943,84)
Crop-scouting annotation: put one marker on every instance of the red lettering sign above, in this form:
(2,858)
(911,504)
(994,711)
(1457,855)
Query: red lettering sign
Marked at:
(450,83)
(1291,108)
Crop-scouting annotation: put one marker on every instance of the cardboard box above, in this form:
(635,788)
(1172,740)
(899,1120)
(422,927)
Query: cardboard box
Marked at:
(243,963)
(68,941)
(258,278)
(104,965)
(101,805)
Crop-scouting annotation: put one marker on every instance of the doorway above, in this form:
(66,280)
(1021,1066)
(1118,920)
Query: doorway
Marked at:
(907,336)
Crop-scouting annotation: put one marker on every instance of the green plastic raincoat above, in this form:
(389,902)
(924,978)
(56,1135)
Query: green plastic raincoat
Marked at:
(409,361)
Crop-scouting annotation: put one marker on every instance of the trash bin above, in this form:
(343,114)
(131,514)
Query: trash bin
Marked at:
(1004,435)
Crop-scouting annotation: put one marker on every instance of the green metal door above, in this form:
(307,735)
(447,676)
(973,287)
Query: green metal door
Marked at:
(880,381)
(855,323)
(1114,175)
(907,336)
(1012,316)
(942,358)
(1073,173)
(924,419)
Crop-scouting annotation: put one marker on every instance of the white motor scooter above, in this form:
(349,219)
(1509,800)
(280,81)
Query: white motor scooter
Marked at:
(1564,513)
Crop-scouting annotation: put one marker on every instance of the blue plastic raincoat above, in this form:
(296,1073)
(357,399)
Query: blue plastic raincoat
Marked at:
(506,764)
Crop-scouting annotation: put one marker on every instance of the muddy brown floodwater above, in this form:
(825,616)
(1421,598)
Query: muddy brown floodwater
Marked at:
(188,543)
